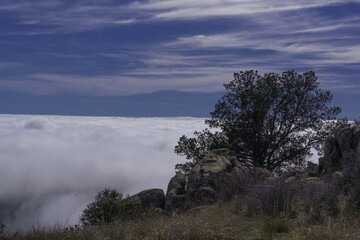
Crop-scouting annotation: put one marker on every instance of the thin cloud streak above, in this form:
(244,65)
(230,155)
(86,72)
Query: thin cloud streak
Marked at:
(59,17)
(172,9)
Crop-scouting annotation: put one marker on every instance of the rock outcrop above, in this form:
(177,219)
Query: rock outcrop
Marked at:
(342,152)
(210,170)
(206,181)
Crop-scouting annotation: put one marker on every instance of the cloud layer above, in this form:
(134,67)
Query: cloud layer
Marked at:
(51,167)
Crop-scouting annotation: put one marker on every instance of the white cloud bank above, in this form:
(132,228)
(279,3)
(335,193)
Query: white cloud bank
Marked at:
(52,166)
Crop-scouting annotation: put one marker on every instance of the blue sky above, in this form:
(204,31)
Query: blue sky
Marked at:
(168,57)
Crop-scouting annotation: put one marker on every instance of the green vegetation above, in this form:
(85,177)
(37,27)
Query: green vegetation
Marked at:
(105,209)
(261,118)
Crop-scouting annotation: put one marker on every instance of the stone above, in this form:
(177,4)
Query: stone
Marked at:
(349,164)
(177,183)
(147,198)
(344,137)
(331,162)
(176,187)
(312,169)
(152,198)
(195,198)
(203,182)
(356,137)
(209,170)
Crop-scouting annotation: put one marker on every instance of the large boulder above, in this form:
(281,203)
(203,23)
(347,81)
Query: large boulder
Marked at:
(152,198)
(209,171)
(342,152)
(203,182)
(331,161)
(146,199)
(195,198)
(175,188)
(177,184)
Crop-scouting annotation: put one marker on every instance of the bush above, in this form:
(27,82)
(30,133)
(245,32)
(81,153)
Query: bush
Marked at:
(320,200)
(273,199)
(105,209)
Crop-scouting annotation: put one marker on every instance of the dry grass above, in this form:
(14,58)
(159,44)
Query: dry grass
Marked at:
(215,222)
(279,210)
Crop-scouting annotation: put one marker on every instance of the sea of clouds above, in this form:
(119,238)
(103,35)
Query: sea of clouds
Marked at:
(51,167)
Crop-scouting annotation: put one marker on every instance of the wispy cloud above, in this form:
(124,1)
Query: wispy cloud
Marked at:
(187,9)
(136,82)
(61,17)
(268,35)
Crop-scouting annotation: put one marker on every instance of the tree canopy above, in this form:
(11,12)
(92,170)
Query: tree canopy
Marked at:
(270,121)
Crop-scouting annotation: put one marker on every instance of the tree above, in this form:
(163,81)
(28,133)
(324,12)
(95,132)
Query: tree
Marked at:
(270,121)
(105,209)
(196,148)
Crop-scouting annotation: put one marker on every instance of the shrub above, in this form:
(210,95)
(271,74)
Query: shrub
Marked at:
(320,201)
(273,198)
(105,209)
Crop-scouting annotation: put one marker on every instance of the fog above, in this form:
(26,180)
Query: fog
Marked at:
(52,166)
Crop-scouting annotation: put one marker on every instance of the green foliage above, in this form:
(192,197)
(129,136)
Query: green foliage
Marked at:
(195,148)
(105,209)
(270,121)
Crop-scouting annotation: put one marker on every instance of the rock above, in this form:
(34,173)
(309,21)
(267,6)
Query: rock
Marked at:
(146,199)
(342,153)
(177,183)
(356,137)
(176,187)
(204,182)
(152,198)
(349,164)
(200,197)
(148,202)
(358,151)
(331,161)
(210,170)
(216,177)
(312,169)
(195,198)
(344,137)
